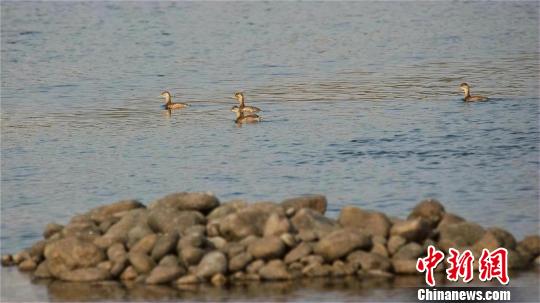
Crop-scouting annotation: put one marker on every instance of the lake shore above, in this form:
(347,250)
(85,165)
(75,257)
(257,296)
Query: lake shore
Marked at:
(192,241)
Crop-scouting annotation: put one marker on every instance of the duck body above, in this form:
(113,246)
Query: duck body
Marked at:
(248,109)
(252,118)
(467,94)
(172,105)
(243,118)
(243,107)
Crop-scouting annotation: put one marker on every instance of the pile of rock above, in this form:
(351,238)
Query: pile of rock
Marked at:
(187,238)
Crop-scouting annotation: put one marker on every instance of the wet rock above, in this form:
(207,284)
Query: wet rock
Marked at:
(218,280)
(170,220)
(88,274)
(169,260)
(142,263)
(240,261)
(226,209)
(307,219)
(70,253)
(315,202)
(82,227)
(233,248)
(189,279)
(195,240)
(339,269)
(317,270)
(107,265)
(27,265)
(460,235)
(369,261)
(104,212)
(137,233)
(202,202)
(288,239)
(409,251)
(7,260)
(430,210)
(448,219)
(164,274)
(249,220)
(118,266)
(165,244)
(119,231)
(395,243)
(105,225)
(375,223)
(302,250)
(267,248)
(516,260)
(274,270)
(339,243)
(531,244)
(404,266)
(194,230)
(116,251)
(276,225)
(506,239)
(375,274)
(412,230)
(145,245)
(307,236)
(254,266)
(218,242)
(493,240)
(42,271)
(212,263)
(20,257)
(309,259)
(380,249)
(191,255)
(51,229)
(379,239)
(129,274)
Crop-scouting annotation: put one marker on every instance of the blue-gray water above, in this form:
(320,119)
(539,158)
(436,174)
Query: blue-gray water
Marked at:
(361,102)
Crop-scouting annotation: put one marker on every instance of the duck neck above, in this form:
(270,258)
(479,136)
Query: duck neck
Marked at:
(168,99)
(466,93)
(241,101)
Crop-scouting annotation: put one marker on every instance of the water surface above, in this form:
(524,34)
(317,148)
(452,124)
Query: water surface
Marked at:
(360,100)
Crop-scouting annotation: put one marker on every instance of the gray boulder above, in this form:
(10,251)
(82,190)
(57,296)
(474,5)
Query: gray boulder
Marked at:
(202,202)
(316,202)
(104,212)
(71,253)
(274,270)
(249,220)
(212,263)
(267,248)
(376,223)
(339,243)
(430,210)
(310,220)
(412,230)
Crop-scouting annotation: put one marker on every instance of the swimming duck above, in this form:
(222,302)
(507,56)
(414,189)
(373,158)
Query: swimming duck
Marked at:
(172,105)
(246,109)
(242,118)
(467,94)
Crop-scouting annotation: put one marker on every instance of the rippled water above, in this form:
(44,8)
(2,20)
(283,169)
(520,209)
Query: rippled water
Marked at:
(360,100)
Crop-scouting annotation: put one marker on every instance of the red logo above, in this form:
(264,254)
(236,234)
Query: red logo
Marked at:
(429,263)
(494,265)
(460,265)
(491,265)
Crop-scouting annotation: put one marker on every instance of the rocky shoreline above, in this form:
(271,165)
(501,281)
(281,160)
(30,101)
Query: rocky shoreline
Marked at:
(184,239)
